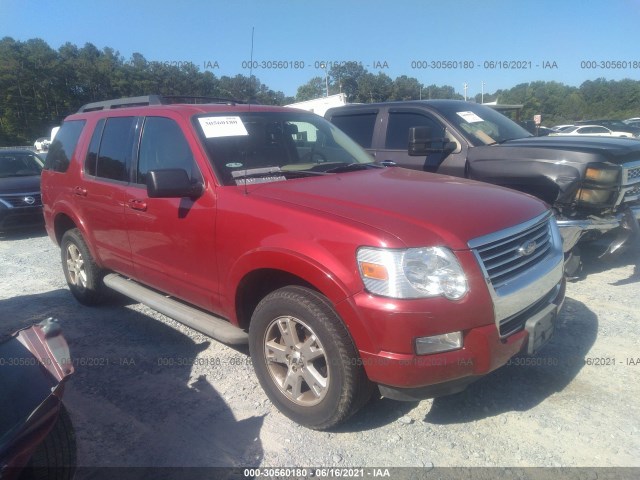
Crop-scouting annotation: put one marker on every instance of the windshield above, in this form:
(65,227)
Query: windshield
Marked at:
(19,164)
(250,147)
(482,125)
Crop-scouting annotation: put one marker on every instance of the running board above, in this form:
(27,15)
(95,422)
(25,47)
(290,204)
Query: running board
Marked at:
(206,323)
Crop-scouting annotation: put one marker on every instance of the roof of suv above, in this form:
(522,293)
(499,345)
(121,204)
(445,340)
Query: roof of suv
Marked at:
(434,103)
(145,104)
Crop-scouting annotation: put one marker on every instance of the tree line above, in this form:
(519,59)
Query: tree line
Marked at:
(39,86)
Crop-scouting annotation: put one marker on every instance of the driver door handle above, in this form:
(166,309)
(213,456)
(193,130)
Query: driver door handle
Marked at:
(81,192)
(137,204)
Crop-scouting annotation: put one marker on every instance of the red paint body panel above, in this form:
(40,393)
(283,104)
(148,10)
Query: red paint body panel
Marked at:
(200,250)
(422,209)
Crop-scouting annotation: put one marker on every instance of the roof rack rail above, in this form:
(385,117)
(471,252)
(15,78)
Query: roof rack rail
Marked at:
(153,100)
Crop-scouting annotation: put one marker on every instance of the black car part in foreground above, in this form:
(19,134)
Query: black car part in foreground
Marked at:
(36,435)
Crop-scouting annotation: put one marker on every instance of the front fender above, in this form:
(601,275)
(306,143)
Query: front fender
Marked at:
(329,277)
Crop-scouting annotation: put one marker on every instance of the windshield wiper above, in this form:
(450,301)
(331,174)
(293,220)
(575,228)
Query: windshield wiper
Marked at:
(274,173)
(500,142)
(353,167)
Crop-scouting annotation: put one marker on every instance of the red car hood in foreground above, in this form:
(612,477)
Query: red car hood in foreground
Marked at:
(421,209)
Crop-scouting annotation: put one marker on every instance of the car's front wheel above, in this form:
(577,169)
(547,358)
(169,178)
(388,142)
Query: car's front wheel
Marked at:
(305,359)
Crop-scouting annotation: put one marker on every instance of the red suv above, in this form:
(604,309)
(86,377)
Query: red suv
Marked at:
(270,226)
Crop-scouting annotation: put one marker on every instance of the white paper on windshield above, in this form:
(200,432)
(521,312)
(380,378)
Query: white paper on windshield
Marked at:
(470,117)
(222,127)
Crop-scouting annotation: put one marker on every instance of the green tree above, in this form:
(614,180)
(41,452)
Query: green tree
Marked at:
(406,88)
(314,88)
(373,88)
(345,78)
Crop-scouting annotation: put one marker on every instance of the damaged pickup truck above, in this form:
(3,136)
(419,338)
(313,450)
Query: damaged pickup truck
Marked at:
(592,183)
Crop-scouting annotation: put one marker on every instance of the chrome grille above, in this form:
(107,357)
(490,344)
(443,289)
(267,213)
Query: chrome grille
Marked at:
(634,192)
(508,256)
(633,173)
(21,200)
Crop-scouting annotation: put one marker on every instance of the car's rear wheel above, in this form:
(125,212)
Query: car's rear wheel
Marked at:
(305,359)
(83,275)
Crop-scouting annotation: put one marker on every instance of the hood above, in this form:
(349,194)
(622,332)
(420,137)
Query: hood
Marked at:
(612,149)
(13,185)
(418,208)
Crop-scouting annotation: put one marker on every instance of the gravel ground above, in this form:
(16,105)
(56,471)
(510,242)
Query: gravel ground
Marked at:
(149,391)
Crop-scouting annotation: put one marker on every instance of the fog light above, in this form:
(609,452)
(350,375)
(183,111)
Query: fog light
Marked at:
(439,343)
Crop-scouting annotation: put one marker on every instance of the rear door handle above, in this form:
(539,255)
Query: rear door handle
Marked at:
(137,204)
(81,192)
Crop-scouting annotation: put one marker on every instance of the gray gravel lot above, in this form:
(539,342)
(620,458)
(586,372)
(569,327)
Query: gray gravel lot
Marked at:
(149,391)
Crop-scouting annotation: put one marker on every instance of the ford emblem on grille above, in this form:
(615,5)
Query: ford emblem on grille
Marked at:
(527,248)
(29,200)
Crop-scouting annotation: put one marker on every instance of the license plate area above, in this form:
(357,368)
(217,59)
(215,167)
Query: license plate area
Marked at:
(540,328)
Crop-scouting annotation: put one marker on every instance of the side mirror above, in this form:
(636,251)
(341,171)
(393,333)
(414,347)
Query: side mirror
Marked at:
(423,141)
(172,183)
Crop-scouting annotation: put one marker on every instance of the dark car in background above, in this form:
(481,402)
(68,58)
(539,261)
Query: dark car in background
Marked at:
(20,200)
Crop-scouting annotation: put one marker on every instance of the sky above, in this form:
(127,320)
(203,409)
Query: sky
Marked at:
(487,44)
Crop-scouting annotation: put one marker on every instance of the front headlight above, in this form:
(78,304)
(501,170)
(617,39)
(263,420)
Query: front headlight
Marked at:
(587,195)
(412,272)
(602,175)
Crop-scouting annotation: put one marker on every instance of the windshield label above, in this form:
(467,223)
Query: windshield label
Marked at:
(214,127)
(470,117)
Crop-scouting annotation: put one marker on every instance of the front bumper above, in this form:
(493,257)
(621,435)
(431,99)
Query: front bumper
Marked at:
(499,317)
(407,376)
(21,217)
(573,230)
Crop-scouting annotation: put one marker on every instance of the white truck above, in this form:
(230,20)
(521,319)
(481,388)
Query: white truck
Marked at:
(319,106)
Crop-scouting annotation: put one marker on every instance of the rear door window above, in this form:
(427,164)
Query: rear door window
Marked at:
(115,149)
(359,126)
(92,155)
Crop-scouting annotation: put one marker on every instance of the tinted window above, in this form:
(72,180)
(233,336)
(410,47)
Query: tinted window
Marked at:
(479,124)
(401,122)
(163,146)
(19,164)
(115,148)
(253,147)
(61,150)
(92,154)
(358,126)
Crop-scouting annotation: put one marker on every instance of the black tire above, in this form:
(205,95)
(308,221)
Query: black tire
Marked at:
(83,275)
(55,457)
(324,352)
(573,264)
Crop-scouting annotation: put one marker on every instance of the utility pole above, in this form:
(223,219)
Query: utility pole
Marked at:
(465,91)
(482,101)
(326,79)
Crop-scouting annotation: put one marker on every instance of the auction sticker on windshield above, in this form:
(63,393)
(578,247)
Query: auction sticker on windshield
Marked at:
(470,117)
(222,127)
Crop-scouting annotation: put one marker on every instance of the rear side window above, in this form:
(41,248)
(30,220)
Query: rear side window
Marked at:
(63,146)
(399,125)
(115,149)
(358,126)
